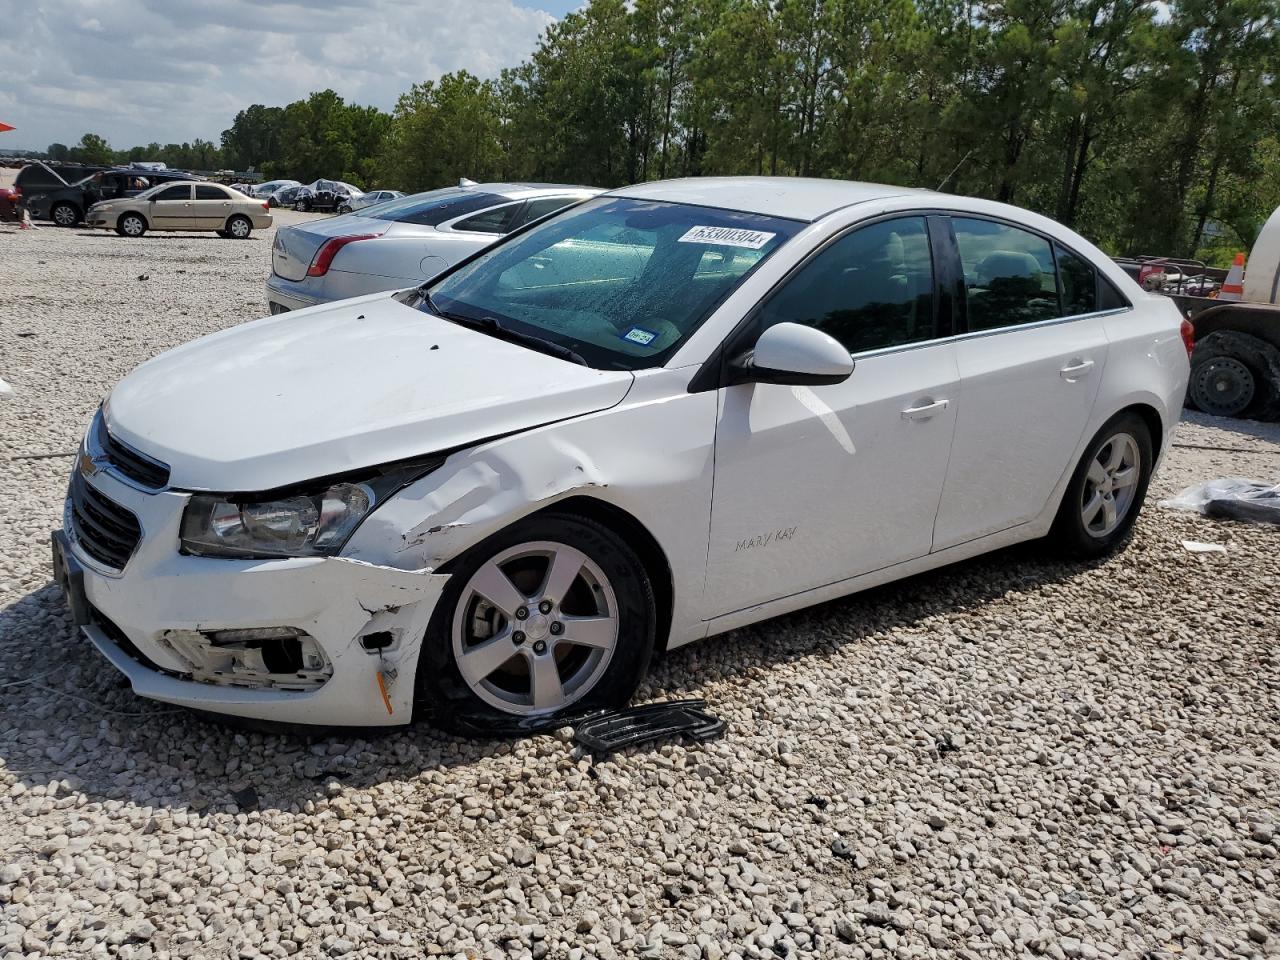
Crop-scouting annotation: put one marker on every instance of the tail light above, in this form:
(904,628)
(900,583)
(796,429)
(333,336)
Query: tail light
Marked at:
(329,249)
(265,205)
(1188,332)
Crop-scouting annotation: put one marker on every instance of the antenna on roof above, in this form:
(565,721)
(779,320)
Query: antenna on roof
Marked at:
(464,182)
(954,169)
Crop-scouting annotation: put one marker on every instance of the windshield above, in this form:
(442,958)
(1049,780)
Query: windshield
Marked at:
(620,282)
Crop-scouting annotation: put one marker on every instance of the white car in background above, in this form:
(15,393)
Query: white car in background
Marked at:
(369,199)
(263,191)
(676,409)
(403,242)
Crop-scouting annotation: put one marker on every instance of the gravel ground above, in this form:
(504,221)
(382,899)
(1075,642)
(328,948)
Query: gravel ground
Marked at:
(1010,756)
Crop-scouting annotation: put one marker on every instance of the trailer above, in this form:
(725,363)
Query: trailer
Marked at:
(1235,368)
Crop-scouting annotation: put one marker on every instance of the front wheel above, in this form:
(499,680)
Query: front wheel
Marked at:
(1107,490)
(65,214)
(131,225)
(553,614)
(239,228)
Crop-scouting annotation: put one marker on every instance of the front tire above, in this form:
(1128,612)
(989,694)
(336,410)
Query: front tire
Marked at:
(65,214)
(1106,491)
(131,225)
(553,615)
(239,228)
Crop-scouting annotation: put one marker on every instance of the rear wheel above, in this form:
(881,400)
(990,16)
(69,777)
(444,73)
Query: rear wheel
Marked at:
(131,225)
(1235,374)
(239,228)
(65,214)
(553,614)
(1107,489)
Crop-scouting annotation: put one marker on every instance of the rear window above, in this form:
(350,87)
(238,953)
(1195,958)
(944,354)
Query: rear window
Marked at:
(435,206)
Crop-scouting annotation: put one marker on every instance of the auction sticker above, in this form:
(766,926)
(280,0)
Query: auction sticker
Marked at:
(728,237)
(640,335)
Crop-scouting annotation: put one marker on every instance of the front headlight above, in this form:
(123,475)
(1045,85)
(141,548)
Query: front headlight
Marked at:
(315,522)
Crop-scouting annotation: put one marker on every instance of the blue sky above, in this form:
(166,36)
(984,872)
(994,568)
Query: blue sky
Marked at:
(135,71)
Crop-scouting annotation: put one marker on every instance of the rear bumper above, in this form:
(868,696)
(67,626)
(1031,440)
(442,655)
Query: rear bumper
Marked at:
(289,295)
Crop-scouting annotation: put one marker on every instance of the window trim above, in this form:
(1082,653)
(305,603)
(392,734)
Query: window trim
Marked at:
(965,333)
(714,372)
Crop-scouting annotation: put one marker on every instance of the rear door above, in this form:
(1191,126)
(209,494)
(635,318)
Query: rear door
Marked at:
(171,208)
(212,206)
(1030,360)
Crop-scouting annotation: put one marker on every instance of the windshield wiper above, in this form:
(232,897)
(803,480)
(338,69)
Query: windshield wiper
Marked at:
(494,326)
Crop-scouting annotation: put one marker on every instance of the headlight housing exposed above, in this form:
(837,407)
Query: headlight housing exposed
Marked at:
(311,521)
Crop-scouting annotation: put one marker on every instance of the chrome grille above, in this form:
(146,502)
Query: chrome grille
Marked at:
(138,467)
(106,531)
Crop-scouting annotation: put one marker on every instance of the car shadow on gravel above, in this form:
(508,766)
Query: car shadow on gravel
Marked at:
(66,715)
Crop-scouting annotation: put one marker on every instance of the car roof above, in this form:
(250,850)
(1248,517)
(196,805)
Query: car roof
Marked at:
(795,198)
(522,191)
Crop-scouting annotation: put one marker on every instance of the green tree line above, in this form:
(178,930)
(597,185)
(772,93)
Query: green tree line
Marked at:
(1148,126)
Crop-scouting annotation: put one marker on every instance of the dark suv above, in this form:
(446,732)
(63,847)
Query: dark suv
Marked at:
(65,205)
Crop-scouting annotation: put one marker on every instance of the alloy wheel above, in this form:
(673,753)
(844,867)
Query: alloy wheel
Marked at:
(535,628)
(1110,485)
(239,228)
(64,215)
(132,226)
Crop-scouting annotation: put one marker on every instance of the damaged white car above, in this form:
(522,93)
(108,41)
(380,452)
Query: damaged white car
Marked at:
(670,411)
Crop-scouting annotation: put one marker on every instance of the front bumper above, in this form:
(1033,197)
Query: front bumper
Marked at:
(161,594)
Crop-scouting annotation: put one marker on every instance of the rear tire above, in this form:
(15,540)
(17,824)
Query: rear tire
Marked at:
(574,629)
(1235,374)
(239,228)
(1106,491)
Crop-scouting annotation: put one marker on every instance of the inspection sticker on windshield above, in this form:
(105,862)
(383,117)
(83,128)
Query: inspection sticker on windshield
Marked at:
(728,237)
(640,335)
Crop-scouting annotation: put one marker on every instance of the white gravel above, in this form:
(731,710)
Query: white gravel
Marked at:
(1011,756)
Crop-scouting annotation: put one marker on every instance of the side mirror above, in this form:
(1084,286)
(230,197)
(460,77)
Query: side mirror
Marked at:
(791,353)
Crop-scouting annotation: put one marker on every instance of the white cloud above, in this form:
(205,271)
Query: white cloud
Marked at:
(136,71)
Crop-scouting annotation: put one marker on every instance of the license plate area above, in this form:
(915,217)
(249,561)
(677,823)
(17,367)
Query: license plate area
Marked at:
(69,576)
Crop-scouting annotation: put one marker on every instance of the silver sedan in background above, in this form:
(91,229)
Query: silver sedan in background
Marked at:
(401,243)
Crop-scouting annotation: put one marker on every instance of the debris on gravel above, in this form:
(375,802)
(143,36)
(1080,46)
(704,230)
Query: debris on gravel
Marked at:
(1012,756)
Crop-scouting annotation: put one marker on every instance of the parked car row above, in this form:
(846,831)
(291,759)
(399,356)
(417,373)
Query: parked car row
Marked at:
(401,242)
(48,196)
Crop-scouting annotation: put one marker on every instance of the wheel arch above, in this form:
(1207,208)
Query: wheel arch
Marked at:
(1155,424)
(134,213)
(1261,320)
(636,535)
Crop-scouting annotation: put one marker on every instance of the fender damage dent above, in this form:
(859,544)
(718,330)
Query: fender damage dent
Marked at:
(483,494)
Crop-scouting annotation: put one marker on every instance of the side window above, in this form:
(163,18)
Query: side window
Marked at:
(174,193)
(210,192)
(1079,284)
(1008,274)
(539,208)
(870,289)
(497,220)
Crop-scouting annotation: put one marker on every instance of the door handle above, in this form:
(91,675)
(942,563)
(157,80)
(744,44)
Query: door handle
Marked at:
(1076,369)
(924,410)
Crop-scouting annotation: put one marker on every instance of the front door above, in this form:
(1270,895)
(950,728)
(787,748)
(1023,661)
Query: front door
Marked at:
(1029,371)
(814,485)
(171,208)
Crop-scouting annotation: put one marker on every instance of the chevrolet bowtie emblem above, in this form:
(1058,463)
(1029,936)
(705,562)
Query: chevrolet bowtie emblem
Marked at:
(89,466)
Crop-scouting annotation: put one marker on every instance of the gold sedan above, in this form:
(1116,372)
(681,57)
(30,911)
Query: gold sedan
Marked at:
(182,206)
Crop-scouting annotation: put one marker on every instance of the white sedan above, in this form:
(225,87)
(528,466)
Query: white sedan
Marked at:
(670,411)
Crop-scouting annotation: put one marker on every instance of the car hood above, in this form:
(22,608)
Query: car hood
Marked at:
(339,387)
